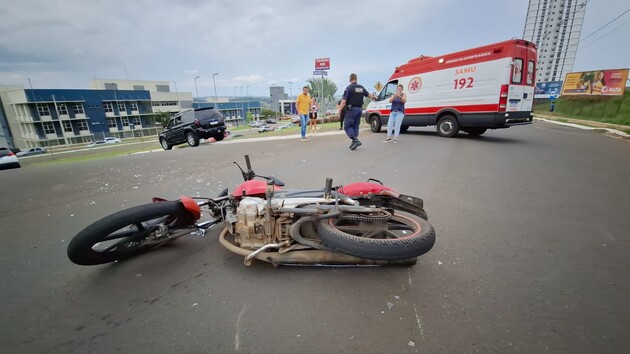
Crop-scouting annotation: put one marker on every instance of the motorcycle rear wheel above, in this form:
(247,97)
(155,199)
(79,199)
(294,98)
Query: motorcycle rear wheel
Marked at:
(123,234)
(403,236)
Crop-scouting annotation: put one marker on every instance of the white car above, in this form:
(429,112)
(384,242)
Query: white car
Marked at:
(8,159)
(32,151)
(97,143)
(264,128)
(112,140)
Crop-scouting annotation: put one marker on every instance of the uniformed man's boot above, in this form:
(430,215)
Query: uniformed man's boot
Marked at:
(355,144)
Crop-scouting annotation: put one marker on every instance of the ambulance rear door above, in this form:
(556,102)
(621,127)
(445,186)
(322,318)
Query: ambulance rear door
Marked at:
(523,72)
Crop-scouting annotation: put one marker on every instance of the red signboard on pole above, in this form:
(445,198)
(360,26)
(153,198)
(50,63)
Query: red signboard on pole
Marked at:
(322,64)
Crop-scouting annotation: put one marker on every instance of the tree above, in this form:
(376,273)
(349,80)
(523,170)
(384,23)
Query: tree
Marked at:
(329,89)
(162,117)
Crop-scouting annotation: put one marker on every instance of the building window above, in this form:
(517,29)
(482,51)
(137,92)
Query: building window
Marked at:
(43,110)
(109,108)
(134,106)
(49,128)
(67,126)
(125,121)
(82,125)
(111,122)
(136,121)
(62,109)
(122,107)
(78,109)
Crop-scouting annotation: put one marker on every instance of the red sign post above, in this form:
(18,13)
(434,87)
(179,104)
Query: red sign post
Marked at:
(322,64)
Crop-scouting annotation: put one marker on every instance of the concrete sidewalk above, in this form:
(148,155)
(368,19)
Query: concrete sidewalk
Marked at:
(614,129)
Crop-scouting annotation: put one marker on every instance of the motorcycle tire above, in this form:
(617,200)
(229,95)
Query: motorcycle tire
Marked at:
(403,236)
(144,218)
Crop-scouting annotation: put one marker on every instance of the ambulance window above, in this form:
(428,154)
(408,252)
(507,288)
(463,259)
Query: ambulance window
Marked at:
(388,90)
(517,71)
(530,72)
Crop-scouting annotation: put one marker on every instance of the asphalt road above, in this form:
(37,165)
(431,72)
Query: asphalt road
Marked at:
(531,255)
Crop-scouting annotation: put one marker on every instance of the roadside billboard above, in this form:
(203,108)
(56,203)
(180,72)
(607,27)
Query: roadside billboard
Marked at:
(547,89)
(599,82)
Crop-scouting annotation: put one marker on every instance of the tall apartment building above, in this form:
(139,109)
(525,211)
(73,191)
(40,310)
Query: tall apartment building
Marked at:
(555,26)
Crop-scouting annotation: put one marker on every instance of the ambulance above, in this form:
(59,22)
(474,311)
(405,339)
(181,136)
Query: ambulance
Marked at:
(489,87)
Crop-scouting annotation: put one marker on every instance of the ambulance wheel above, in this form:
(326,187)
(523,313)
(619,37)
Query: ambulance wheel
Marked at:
(447,126)
(404,128)
(475,131)
(375,124)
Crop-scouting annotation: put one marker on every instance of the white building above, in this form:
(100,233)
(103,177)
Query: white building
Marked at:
(555,26)
(162,98)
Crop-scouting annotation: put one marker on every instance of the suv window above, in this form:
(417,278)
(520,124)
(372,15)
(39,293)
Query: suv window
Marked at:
(5,152)
(208,114)
(188,117)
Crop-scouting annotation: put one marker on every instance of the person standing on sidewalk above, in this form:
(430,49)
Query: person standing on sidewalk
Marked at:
(352,102)
(303,105)
(397,114)
(312,116)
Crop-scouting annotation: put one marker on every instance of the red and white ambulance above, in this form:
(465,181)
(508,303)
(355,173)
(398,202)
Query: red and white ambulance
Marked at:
(488,87)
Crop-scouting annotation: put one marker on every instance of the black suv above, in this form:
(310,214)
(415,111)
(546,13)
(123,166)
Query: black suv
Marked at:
(192,125)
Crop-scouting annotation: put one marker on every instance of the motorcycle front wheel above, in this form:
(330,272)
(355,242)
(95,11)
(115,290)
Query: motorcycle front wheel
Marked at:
(128,232)
(402,236)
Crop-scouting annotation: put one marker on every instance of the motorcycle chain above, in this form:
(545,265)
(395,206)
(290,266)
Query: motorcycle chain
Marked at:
(384,215)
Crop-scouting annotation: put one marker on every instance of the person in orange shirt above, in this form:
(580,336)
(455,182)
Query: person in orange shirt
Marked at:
(303,106)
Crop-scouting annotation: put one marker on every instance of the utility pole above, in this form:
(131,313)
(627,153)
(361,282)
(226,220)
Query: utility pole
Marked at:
(216,100)
(196,91)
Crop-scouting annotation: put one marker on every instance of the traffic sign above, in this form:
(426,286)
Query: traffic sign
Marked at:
(322,64)
(320,72)
(378,86)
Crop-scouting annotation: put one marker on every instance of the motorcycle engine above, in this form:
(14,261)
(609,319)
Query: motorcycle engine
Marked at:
(250,230)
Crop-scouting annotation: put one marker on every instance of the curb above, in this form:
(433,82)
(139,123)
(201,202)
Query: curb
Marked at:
(584,127)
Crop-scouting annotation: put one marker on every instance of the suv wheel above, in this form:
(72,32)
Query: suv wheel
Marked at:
(192,139)
(165,144)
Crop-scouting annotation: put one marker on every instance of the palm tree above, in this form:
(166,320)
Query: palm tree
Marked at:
(329,89)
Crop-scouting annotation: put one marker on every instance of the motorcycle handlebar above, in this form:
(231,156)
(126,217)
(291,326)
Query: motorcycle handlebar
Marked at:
(249,165)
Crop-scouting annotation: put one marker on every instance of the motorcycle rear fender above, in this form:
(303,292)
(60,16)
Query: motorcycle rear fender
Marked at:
(189,204)
(358,189)
(192,206)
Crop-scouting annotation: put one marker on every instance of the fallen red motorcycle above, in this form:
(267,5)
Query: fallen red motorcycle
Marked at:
(361,223)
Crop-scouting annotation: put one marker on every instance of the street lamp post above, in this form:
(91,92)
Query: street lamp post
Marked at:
(196,91)
(242,106)
(235,102)
(177,93)
(216,100)
(247,95)
(291,98)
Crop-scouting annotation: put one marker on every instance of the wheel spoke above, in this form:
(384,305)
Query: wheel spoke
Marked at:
(115,245)
(372,233)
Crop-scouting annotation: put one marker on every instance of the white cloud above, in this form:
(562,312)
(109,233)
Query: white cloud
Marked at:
(66,44)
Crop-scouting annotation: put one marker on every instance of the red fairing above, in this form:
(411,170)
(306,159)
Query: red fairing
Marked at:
(357,189)
(252,187)
(192,206)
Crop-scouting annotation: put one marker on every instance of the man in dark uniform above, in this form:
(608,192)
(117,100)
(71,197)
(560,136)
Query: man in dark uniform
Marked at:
(352,102)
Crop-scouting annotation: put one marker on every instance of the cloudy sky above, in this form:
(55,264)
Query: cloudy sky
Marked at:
(254,44)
